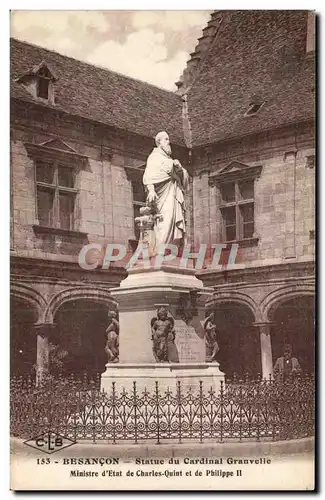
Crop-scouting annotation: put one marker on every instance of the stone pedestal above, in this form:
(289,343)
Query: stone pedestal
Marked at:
(138,297)
(167,375)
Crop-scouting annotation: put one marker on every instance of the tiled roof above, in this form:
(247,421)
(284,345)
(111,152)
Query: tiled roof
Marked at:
(101,95)
(255,55)
(249,56)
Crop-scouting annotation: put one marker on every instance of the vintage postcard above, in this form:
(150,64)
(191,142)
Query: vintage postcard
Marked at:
(162,195)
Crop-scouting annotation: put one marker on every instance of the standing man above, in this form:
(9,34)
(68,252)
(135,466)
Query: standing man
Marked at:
(166,181)
(286,365)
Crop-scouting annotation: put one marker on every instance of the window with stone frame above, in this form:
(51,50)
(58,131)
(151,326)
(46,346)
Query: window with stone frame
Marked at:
(56,194)
(237,209)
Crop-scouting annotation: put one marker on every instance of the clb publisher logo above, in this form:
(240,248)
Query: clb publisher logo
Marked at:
(49,442)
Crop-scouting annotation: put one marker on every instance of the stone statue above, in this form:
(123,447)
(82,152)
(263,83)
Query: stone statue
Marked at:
(163,337)
(166,181)
(211,344)
(112,337)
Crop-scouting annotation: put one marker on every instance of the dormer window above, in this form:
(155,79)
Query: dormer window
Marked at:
(44,79)
(43,88)
(39,81)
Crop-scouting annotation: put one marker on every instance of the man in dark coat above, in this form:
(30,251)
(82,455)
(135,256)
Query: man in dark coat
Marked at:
(286,366)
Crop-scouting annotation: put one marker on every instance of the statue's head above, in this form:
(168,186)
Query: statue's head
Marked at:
(162,142)
(213,330)
(111,315)
(162,313)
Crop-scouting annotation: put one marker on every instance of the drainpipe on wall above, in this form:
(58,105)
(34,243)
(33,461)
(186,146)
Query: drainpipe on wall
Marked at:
(294,206)
(187,132)
(291,157)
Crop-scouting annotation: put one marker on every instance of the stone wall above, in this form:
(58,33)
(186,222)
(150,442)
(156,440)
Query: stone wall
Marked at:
(104,205)
(284,194)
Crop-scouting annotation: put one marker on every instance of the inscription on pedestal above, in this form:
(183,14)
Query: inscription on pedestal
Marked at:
(191,347)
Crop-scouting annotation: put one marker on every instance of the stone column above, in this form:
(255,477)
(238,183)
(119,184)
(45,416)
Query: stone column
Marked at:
(266,349)
(43,332)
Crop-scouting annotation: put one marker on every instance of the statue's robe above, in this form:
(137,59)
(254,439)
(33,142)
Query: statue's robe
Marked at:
(170,187)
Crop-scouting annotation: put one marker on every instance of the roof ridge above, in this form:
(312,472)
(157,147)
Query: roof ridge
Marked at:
(96,66)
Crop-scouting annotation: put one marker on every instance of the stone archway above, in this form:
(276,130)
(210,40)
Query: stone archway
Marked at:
(293,322)
(79,331)
(30,296)
(277,296)
(99,295)
(238,339)
(23,339)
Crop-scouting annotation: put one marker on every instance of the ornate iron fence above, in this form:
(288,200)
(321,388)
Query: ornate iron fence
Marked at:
(241,410)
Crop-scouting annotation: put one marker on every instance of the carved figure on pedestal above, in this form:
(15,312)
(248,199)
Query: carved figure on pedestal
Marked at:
(163,337)
(172,352)
(112,338)
(211,344)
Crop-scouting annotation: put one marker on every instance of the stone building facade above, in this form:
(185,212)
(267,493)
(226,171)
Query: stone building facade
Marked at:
(241,122)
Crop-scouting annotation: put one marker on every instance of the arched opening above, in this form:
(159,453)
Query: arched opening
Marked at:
(23,341)
(238,340)
(79,333)
(294,323)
